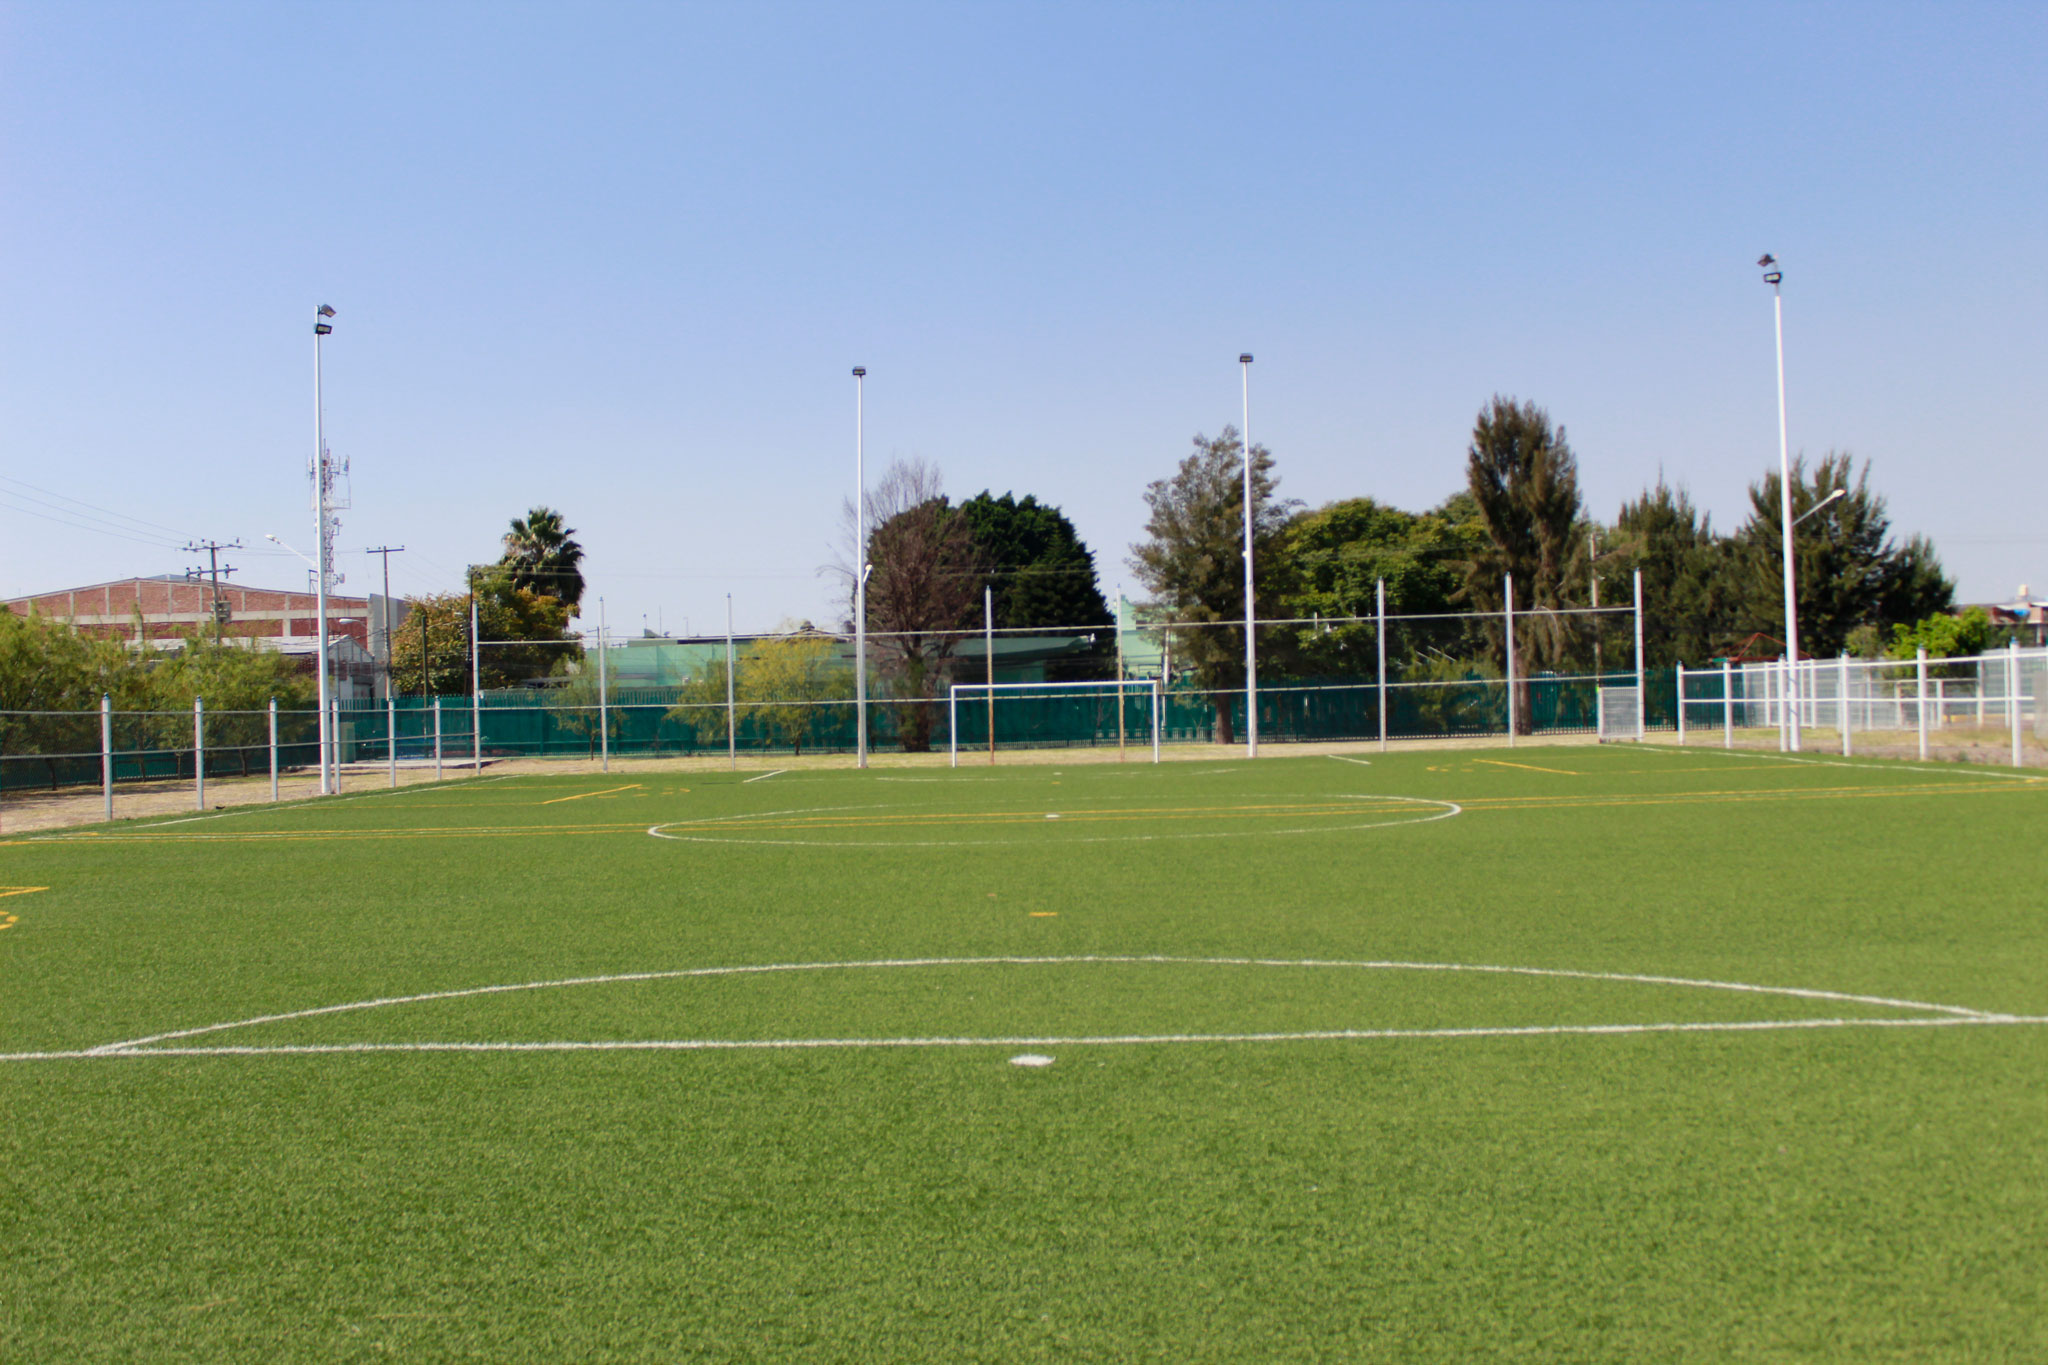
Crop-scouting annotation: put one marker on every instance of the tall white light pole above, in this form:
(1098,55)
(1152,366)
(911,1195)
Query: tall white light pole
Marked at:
(1251,643)
(860,567)
(1775,277)
(323,546)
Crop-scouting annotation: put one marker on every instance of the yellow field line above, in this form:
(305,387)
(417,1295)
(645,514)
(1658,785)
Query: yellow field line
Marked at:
(1529,767)
(630,786)
(20,890)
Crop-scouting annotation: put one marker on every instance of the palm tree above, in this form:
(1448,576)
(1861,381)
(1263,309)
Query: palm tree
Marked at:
(541,556)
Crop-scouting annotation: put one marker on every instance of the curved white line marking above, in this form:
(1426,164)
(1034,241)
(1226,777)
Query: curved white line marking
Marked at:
(781,1044)
(663,831)
(1957,1013)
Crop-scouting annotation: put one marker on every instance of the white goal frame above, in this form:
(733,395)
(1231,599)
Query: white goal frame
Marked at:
(1117,685)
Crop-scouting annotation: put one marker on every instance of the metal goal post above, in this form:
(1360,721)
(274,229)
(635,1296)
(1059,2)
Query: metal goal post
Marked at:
(1147,687)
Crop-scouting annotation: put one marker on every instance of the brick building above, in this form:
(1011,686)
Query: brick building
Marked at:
(171,606)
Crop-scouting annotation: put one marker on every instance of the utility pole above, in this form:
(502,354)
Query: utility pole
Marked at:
(211,549)
(385,617)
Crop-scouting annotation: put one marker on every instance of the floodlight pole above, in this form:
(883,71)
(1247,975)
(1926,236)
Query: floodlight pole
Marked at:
(1775,279)
(1251,643)
(604,712)
(321,328)
(860,568)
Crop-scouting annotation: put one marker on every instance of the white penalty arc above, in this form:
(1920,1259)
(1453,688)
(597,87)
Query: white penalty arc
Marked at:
(706,831)
(181,1042)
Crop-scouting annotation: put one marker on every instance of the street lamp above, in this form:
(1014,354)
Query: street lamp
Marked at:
(860,567)
(1775,277)
(1822,505)
(1251,644)
(323,537)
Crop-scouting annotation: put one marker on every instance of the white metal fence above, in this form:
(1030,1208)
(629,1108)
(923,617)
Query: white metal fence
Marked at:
(1996,697)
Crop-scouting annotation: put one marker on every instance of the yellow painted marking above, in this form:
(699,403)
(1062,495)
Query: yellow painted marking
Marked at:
(1045,914)
(608,791)
(1528,767)
(20,890)
(8,921)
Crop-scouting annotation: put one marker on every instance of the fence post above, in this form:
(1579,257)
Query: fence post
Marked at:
(391,729)
(273,748)
(1920,696)
(604,706)
(1379,635)
(2012,699)
(1508,595)
(437,737)
(1642,727)
(476,694)
(1842,698)
(107,753)
(334,742)
(1728,705)
(732,715)
(1158,715)
(1681,706)
(953,726)
(199,751)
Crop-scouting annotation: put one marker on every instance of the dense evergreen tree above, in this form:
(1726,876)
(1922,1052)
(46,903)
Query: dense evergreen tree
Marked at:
(1042,573)
(1192,561)
(1524,480)
(1850,571)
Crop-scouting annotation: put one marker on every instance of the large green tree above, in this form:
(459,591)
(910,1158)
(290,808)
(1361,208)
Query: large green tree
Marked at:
(542,557)
(1042,574)
(1524,481)
(1192,560)
(1850,571)
(526,636)
(1687,604)
(924,592)
(1330,561)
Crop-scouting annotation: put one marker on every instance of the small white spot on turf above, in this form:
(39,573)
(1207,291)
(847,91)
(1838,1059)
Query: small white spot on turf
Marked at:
(1031,1059)
(1052,817)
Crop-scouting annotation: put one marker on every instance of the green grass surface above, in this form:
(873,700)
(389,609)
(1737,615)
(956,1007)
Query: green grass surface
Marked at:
(1851,1179)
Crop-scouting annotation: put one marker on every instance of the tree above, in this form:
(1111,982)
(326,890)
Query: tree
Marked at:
(578,705)
(1042,574)
(1849,570)
(1686,609)
(541,557)
(1331,561)
(923,593)
(778,684)
(1193,561)
(1524,481)
(436,629)
(237,684)
(1945,636)
(48,667)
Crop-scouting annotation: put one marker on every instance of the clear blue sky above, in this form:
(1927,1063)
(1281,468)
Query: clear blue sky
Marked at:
(620,259)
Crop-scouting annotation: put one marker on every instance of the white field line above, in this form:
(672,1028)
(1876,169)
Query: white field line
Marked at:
(1343,758)
(1965,771)
(763,777)
(662,831)
(884,964)
(1047,1040)
(316,802)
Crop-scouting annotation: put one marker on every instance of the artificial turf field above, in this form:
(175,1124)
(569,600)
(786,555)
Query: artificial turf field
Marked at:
(1283,1118)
